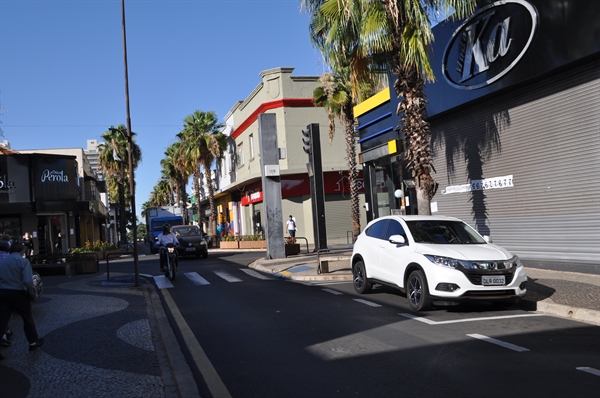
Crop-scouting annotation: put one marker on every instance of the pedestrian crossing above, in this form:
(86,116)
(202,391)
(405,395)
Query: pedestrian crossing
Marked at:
(162,282)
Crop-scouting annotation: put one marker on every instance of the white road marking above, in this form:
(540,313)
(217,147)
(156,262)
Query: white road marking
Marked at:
(256,274)
(367,302)
(593,371)
(162,282)
(498,342)
(332,291)
(491,318)
(196,279)
(228,277)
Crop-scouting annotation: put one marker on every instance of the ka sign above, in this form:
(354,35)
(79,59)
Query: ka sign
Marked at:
(489,44)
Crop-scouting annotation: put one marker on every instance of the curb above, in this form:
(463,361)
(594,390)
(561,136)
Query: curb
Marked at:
(562,311)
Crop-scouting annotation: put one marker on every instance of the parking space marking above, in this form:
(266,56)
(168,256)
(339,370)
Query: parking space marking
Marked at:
(196,279)
(332,291)
(498,342)
(228,277)
(256,274)
(367,302)
(491,318)
(162,282)
(593,371)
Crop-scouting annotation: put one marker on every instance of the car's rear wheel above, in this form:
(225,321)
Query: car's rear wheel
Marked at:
(359,277)
(416,292)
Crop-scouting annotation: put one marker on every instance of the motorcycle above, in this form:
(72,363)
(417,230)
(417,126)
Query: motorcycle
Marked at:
(171,261)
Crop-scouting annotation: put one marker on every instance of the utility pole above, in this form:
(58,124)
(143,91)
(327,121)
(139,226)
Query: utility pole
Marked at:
(136,264)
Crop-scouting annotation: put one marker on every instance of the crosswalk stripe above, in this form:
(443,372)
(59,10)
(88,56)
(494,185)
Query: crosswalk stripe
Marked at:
(498,342)
(196,279)
(256,274)
(162,282)
(367,302)
(227,276)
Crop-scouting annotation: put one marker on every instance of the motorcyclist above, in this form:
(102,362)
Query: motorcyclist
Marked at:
(163,239)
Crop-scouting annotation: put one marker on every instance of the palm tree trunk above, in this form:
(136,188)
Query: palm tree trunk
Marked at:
(417,136)
(348,118)
(197,190)
(211,200)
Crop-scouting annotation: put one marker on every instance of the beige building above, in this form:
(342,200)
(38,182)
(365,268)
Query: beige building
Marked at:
(239,193)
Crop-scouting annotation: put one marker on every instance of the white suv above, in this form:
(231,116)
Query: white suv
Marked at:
(435,258)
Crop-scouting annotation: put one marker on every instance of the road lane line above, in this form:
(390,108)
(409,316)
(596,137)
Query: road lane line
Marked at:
(196,279)
(332,291)
(593,371)
(256,274)
(228,277)
(162,282)
(498,342)
(367,302)
(210,375)
(491,318)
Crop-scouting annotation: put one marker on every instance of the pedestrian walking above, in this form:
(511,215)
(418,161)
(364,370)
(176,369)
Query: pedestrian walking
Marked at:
(291,227)
(17,292)
(28,243)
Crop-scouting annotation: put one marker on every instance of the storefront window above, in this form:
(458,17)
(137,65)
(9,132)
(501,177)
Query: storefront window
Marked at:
(388,178)
(11,226)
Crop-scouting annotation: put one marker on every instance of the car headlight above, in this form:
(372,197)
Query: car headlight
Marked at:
(514,262)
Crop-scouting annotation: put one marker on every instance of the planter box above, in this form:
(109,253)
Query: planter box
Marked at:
(292,249)
(85,267)
(253,244)
(229,245)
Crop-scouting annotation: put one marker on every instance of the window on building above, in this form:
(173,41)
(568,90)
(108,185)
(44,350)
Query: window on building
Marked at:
(240,154)
(251,146)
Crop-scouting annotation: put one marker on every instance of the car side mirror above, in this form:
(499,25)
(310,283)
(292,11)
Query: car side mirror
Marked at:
(487,239)
(397,239)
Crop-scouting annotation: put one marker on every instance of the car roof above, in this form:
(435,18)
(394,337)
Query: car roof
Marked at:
(419,218)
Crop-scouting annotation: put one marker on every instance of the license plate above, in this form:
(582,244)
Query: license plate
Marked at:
(190,249)
(493,280)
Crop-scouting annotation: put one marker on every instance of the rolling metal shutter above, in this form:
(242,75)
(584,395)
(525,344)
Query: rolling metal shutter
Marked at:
(547,136)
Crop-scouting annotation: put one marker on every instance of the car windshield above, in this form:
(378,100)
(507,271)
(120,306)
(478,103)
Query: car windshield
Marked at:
(443,232)
(188,231)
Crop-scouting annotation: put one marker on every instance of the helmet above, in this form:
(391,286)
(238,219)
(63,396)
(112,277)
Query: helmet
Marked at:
(166,229)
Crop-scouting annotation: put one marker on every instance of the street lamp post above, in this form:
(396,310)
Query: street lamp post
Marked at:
(136,264)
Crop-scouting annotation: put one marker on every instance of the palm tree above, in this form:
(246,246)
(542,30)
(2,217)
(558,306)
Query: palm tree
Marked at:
(404,37)
(177,172)
(114,160)
(202,144)
(338,35)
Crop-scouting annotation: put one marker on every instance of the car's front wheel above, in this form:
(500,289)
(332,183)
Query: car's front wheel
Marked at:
(359,277)
(416,292)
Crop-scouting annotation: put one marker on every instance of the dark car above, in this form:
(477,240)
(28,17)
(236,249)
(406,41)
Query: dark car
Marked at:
(191,241)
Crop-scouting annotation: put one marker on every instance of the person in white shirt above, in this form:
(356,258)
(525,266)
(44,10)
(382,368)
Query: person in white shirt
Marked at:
(165,238)
(291,227)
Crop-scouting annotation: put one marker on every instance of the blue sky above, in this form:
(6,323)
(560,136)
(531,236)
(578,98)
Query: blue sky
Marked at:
(62,77)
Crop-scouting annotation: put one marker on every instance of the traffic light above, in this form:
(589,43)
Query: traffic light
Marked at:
(306,140)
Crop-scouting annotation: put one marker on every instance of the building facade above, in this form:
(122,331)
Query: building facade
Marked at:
(239,193)
(53,196)
(515,124)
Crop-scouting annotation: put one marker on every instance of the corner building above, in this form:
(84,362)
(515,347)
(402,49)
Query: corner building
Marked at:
(240,198)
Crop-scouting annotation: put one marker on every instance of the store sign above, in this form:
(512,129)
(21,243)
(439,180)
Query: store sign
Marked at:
(489,44)
(54,176)
(252,198)
(6,185)
(481,185)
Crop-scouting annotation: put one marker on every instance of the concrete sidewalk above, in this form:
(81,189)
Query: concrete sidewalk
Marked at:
(102,339)
(565,294)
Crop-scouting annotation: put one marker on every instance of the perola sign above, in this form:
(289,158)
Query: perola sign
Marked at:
(489,44)
(53,175)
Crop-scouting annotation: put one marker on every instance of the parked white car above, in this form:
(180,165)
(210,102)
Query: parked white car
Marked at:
(435,258)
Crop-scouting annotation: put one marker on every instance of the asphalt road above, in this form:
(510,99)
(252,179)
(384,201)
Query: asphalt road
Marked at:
(246,334)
